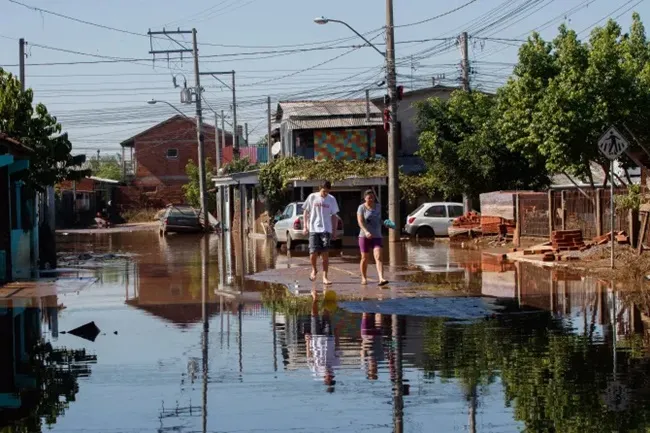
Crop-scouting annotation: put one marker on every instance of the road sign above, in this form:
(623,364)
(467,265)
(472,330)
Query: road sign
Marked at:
(612,144)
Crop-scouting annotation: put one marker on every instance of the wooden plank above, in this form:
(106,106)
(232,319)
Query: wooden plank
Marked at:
(642,232)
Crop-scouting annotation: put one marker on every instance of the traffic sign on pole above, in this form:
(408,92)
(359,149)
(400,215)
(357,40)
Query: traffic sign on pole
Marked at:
(612,144)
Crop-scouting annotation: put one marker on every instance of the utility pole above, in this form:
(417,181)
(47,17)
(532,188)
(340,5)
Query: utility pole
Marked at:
(235,144)
(393,175)
(464,50)
(199,132)
(269,156)
(217,163)
(246,133)
(21,55)
(199,112)
(465,60)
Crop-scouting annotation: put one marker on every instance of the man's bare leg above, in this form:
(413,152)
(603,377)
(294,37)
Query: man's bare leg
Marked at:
(313,258)
(326,266)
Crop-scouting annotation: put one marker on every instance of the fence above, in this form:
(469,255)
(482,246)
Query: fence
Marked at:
(540,213)
(256,155)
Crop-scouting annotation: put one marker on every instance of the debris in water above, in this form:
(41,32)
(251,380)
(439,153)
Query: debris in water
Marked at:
(89,331)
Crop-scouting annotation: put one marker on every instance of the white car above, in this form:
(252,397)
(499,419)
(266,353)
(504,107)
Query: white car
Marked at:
(288,227)
(433,219)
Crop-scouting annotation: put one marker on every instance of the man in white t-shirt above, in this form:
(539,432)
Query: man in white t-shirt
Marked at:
(320,222)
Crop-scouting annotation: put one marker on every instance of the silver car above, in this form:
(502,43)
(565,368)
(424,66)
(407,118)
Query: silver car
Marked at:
(433,219)
(289,225)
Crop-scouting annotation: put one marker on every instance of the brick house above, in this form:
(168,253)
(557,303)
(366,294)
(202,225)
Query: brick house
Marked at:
(159,154)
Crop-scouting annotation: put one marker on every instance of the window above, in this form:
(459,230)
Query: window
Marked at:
(416,210)
(288,212)
(300,209)
(172,153)
(436,211)
(455,211)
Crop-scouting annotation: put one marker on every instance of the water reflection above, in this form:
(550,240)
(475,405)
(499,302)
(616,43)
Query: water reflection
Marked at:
(38,381)
(570,353)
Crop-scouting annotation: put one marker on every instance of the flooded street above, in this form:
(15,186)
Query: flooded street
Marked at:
(188,343)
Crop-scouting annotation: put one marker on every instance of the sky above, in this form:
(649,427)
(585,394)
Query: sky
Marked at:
(88,61)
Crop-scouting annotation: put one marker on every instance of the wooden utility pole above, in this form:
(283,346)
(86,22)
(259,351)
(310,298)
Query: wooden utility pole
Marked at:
(268,137)
(235,144)
(393,175)
(464,49)
(21,54)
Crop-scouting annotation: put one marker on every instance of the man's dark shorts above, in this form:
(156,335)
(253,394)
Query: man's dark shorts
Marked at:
(319,242)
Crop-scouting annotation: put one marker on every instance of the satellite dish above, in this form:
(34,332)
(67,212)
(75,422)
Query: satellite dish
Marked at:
(276,148)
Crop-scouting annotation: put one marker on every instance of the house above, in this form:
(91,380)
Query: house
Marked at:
(337,129)
(159,154)
(18,234)
(79,201)
(408,143)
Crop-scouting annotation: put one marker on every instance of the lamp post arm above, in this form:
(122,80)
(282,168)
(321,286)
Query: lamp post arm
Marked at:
(383,54)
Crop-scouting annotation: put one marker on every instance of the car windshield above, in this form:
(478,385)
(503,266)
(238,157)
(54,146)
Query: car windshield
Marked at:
(183,212)
(299,209)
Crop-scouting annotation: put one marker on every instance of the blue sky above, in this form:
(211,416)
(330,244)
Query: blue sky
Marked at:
(102,103)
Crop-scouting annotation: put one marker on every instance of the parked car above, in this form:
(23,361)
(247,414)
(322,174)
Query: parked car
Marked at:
(432,219)
(180,219)
(289,225)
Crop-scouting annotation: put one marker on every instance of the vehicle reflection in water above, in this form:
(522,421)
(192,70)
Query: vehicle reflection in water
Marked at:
(569,354)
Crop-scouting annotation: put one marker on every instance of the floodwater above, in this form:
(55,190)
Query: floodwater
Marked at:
(186,344)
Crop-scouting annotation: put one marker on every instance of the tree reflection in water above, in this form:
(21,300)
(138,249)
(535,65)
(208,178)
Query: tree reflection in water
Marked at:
(55,374)
(554,378)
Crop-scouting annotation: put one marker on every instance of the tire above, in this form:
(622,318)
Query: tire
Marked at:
(291,244)
(425,232)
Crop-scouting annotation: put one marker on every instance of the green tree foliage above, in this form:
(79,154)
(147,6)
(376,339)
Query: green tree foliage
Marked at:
(106,167)
(564,94)
(35,127)
(464,153)
(239,165)
(192,189)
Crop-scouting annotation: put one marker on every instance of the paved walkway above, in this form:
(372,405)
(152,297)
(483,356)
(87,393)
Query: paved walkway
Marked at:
(346,280)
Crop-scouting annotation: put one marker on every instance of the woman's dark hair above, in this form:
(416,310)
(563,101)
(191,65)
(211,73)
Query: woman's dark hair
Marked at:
(369,192)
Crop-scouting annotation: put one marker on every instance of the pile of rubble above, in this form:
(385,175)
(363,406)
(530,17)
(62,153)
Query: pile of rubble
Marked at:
(567,244)
(473,225)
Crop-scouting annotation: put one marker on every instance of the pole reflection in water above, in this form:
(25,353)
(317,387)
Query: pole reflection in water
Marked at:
(206,327)
(398,385)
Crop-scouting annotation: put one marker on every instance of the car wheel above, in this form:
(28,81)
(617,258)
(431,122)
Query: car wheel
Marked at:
(425,232)
(291,244)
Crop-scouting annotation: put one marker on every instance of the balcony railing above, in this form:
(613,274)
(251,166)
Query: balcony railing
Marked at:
(256,155)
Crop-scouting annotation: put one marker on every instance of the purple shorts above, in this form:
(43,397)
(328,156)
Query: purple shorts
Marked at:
(368,245)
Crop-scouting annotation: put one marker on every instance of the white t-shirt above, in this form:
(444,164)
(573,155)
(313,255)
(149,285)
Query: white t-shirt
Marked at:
(324,355)
(321,209)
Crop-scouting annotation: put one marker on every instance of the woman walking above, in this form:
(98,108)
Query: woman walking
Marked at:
(370,238)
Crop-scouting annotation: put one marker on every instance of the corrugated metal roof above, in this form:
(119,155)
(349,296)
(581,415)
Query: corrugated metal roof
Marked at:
(326,108)
(332,122)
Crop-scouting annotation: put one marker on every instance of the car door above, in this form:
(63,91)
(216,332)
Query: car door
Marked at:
(436,217)
(282,225)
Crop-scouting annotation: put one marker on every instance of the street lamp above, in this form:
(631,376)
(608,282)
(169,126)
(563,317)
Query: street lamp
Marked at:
(155,101)
(389,56)
(322,21)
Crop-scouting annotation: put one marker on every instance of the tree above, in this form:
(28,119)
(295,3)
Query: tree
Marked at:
(464,153)
(106,167)
(192,189)
(564,94)
(52,161)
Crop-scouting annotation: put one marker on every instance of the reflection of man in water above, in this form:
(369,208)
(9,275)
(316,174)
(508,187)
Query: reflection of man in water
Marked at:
(322,353)
(371,344)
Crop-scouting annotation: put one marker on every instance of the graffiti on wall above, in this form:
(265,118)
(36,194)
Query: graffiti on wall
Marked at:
(344,144)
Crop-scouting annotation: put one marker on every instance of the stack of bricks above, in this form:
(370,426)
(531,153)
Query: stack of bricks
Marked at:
(567,240)
(494,225)
(469,220)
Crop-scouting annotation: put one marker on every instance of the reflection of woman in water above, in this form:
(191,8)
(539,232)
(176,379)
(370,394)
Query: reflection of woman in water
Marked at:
(371,344)
(322,344)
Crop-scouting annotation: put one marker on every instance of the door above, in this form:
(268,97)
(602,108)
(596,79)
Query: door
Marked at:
(436,217)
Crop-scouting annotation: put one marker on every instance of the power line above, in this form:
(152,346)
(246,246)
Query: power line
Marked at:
(444,14)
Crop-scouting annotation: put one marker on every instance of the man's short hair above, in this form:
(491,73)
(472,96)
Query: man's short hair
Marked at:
(326,184)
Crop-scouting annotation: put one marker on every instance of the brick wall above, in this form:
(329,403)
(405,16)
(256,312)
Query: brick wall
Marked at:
(154,168)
